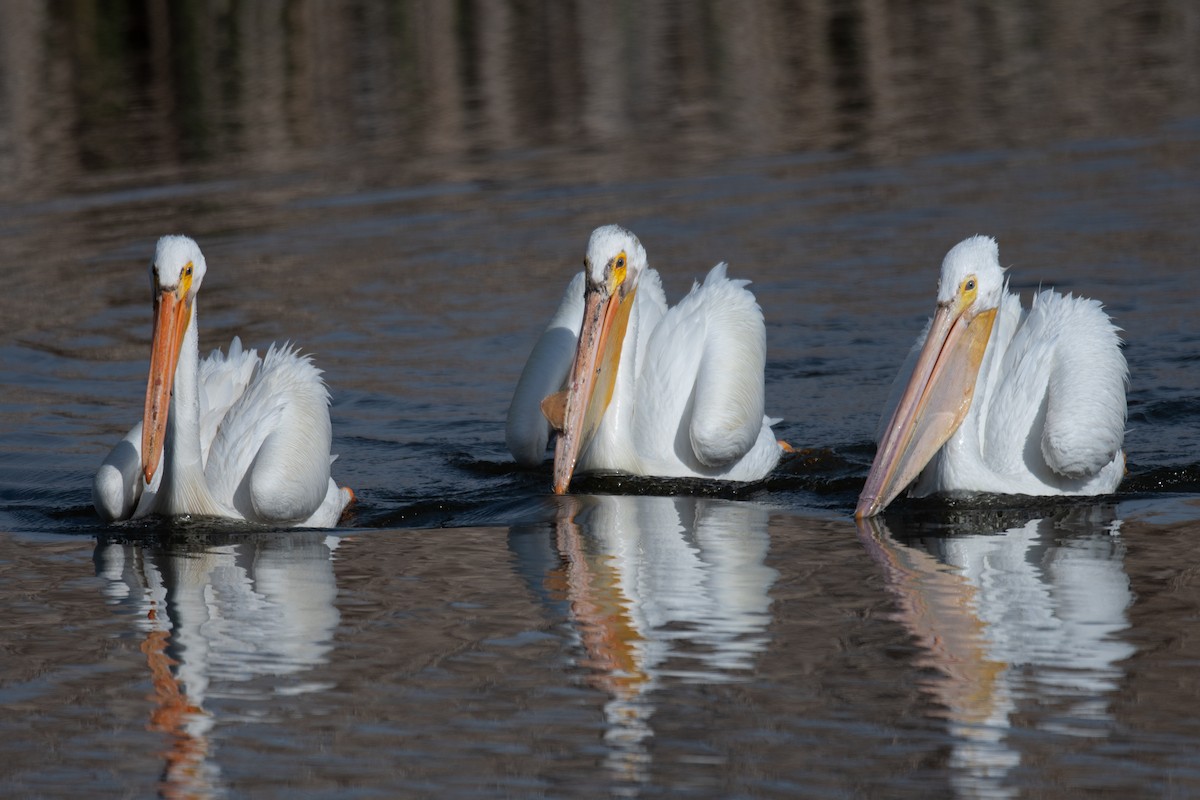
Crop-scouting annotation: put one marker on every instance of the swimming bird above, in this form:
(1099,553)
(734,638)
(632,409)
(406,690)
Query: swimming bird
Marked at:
(1002,400)
(636,388)
(233,435)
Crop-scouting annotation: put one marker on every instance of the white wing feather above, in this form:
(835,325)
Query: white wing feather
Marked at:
(1087,376)
(728,410)
(117,487)
(527,432)
(700,388)
(688,398)
(269,456)
(223,381)
(1048,416)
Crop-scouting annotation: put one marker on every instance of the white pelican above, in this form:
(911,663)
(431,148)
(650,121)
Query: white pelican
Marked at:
(234,436)
(646,390)
(1001,400)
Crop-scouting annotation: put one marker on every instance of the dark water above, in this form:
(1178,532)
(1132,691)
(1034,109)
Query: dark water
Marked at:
(405,191)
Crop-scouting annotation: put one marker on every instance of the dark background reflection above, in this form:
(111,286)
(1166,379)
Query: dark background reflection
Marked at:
(428,90)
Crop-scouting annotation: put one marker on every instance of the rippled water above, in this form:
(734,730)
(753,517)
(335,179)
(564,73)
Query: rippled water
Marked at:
(405,194)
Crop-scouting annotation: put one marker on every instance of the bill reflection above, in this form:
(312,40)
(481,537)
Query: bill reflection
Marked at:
(657,589)
(214,618)
(1002,616)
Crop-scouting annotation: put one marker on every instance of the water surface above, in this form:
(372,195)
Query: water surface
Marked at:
(406,194)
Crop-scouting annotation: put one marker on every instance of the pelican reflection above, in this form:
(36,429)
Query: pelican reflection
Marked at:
(1032,611)
(213,618)
(657,589)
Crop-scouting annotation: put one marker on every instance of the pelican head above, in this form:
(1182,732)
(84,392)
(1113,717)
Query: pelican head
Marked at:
(976,259)
(614,262)
(938,395)
(175,276)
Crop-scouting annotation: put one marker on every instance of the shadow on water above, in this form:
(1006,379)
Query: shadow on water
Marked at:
(823,480)
(503,493)
(951,516)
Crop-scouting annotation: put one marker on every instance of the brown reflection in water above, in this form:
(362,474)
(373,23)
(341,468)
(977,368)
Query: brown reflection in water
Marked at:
(591,585)
(937,605)
(601,610)
(418,88)
(1162,687)
(217,614)
(661,591)
(174,714)
(940,608)
(1003,612)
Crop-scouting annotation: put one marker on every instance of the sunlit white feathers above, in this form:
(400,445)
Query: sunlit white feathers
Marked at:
(650,390)
(172,257)
(996,399)
(606,244)
(975,258)
(234,435)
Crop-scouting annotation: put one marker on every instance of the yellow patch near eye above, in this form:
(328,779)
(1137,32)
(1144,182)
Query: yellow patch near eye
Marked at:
(185,279)
(967,290)
(618,270)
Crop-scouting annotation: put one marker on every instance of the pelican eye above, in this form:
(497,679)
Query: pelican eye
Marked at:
(185,279)
(970,285)
(617,273)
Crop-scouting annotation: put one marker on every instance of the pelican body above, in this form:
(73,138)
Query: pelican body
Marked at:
(233,436)
(997,399)
(636,388)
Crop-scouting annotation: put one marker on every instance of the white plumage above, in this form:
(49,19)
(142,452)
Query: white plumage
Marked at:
(687,399)
(997,399)
(243,437)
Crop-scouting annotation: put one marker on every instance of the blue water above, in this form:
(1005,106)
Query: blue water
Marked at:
(465,633)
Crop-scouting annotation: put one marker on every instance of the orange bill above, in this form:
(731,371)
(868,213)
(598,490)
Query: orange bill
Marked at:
(933,405)
(592,379)
(171,317)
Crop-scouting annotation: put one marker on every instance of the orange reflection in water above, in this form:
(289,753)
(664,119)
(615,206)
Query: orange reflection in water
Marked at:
(175,715)
(591,585)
